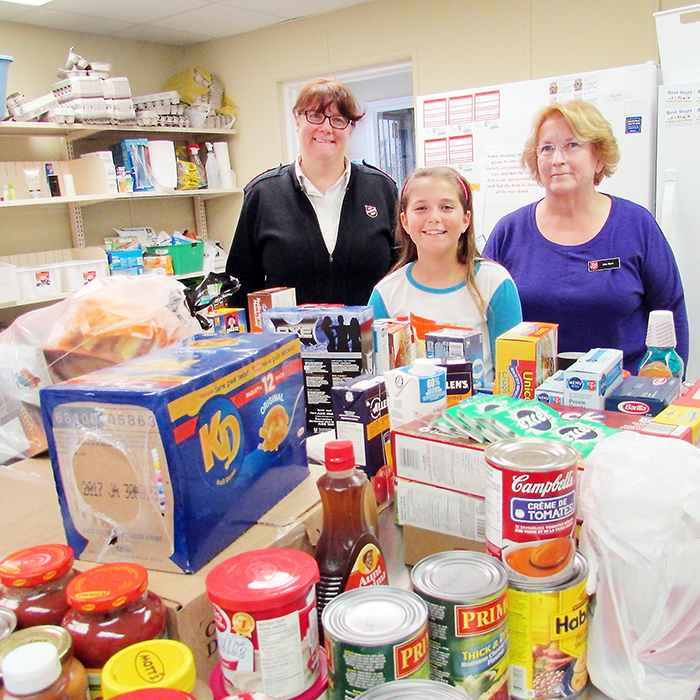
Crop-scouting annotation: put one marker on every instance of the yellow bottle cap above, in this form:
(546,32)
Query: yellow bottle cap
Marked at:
(156,663)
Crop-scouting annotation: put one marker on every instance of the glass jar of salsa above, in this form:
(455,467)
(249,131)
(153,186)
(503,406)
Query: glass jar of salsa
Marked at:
(34,582)
(110,609)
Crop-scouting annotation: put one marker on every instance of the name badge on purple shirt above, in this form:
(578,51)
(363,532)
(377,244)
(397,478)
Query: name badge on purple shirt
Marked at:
(607,264)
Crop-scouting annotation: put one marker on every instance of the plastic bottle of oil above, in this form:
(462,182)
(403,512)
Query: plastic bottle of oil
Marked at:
(348,552)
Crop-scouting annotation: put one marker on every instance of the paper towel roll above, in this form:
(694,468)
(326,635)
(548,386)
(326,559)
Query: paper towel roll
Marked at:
(224,161)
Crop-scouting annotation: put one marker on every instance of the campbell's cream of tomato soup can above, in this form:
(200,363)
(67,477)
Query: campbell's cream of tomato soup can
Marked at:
(266,621)
(548,631)
(374,635)
(531,507)
(467,621)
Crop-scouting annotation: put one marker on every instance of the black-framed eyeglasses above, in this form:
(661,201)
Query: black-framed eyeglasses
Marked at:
(335,120)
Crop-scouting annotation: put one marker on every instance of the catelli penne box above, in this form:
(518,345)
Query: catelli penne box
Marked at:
(166,459)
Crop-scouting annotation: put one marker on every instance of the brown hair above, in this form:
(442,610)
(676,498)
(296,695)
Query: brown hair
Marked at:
(587,124)
(466,246)
(320,93)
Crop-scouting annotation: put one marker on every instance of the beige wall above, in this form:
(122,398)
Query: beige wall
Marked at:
(453,44)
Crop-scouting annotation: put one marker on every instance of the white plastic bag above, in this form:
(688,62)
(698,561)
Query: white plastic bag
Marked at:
(640,502)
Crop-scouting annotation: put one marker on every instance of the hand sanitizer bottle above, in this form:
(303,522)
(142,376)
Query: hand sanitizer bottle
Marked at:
(212,168)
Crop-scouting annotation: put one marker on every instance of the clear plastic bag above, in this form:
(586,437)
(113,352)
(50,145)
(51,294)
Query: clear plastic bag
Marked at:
(640,502)
(108,321)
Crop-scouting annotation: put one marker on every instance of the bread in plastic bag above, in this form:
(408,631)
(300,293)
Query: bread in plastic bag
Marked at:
(108,321)
(639,498)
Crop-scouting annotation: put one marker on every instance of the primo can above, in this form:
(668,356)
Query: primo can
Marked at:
(374,635)
(413,689)
(548,632)
(531,508)
(466,593)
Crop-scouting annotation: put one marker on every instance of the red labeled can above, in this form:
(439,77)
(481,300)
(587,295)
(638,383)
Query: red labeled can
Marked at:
(266,621)
(531,508)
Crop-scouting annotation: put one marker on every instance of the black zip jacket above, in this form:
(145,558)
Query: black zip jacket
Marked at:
(278,241)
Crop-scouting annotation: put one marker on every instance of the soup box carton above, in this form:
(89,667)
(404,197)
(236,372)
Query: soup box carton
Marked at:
(168,458)
(337,344)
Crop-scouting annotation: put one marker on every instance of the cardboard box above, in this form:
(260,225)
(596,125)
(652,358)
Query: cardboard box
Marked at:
(424,454)
(691,397)
(228,320)
(166,459)
(31,515)
(420,543)
(458,342)
(643,396)
(336,345)
(592,377)
(361,415)
(525,356)
(440,510)
(686,417)
(268,299)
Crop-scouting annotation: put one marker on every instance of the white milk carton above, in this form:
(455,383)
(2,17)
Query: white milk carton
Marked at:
(415,391)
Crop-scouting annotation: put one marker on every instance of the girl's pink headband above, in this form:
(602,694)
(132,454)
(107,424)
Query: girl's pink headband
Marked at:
(461,182)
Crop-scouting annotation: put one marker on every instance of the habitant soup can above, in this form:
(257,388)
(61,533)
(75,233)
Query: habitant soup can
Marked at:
(374,635)
(466,593)
(531,507)
(548,631)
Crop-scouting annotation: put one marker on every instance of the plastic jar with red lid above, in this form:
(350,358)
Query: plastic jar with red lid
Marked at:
(34,582)
(265,609)
(110,609)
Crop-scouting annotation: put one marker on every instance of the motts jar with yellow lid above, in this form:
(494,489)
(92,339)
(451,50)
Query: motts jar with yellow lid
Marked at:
(111,608)
(34,582)
(156,663)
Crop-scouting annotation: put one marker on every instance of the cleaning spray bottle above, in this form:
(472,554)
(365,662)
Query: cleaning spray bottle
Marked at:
(193,149)
(212,168)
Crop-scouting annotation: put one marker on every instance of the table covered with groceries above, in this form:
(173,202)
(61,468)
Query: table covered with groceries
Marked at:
(256,515)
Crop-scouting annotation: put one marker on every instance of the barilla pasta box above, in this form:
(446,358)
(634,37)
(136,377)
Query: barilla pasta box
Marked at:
(228,320)
(268,299)
(361,415)
(525,356)
(592,377)
(336,345)
(643,396)
(458,342)
(166,459)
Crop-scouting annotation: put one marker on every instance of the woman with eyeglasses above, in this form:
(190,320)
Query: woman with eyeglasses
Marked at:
(322,224)
(593,263)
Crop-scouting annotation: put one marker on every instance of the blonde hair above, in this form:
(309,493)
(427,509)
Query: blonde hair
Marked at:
(587,124)
(466,246)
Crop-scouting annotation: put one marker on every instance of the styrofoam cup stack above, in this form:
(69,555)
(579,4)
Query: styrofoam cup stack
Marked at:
(661,333)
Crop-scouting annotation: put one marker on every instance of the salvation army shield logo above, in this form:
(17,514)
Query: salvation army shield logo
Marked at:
(371,211)
(593,265)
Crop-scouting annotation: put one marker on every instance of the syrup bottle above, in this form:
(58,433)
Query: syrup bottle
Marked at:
(348,552)
(661,358)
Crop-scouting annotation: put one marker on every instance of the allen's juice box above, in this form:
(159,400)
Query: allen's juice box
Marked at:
(525,356)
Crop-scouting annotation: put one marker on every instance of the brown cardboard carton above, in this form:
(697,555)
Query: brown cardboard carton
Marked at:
(31,515)
(420,543)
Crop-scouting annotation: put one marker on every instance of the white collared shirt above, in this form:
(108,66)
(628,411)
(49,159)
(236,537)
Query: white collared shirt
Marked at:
(327,206)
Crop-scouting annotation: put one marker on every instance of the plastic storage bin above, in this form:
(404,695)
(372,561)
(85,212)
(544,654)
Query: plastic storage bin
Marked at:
(9,286)
(77,273)
(4,65)
(187,257)
(39,280)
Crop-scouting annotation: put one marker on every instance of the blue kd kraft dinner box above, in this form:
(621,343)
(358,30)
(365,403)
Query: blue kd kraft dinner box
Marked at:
(166,459)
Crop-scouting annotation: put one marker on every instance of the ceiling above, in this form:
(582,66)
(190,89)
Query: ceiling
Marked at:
(175,22)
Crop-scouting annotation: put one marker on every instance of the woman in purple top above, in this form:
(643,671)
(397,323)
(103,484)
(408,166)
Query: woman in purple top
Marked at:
(593,263)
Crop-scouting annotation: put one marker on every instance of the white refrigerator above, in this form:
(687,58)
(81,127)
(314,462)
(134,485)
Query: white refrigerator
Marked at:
(678,195)
(481,133)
